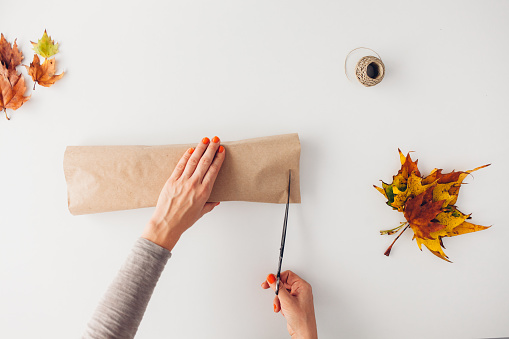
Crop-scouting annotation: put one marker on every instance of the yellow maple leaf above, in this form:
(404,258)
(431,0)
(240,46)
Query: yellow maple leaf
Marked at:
(45,47)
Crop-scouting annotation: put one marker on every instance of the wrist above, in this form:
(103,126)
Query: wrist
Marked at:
(307,332)
(161,234)
(307,335)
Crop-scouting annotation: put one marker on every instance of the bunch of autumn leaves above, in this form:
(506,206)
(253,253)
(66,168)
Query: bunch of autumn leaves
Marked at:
(428,204)
(12,83)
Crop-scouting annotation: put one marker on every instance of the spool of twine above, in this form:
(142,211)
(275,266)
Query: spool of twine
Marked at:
(370,71)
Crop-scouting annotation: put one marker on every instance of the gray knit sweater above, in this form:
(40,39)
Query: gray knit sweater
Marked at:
(120,311)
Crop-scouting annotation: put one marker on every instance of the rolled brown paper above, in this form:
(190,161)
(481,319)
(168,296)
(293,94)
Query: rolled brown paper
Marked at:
(112,178)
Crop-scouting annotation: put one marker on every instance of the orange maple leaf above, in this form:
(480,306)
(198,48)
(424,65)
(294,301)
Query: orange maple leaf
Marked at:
(44,74)
(10,57)
(12,90)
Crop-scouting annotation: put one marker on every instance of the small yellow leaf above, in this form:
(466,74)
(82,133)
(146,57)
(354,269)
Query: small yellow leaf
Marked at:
(45,47)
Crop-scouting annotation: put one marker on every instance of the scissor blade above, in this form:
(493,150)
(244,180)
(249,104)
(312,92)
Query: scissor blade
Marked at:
(283,236)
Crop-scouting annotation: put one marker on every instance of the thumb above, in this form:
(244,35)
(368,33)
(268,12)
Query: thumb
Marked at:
(209,206)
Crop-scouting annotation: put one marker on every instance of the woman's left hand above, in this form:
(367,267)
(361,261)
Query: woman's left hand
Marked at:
(183,199)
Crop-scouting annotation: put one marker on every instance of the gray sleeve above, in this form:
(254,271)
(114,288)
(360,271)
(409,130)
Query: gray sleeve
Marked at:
(121,309)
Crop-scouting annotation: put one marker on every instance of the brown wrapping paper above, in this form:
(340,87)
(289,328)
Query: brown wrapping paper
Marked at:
(112,178)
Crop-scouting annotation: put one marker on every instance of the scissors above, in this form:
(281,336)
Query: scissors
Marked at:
(283,236)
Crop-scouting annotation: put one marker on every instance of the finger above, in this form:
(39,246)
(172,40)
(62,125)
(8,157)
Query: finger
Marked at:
(283,294)
(181,165)
(207,159)
(209,206)
(277,304)
(195,157)
(211,175)
(271,281)
(265,285)
(291,278)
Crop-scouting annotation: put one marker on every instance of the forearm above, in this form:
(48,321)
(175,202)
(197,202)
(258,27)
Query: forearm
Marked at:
(120,311)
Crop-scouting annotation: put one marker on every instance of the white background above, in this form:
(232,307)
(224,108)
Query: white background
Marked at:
(164,72)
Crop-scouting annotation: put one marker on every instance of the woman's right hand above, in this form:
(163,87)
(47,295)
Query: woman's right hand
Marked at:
(295,301)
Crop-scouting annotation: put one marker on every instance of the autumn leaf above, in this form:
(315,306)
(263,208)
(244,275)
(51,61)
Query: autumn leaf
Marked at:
(400,182)
(420,212)
(428,205)
(10,57)
(44,74)
(12,83)
(45,47)
(12,90)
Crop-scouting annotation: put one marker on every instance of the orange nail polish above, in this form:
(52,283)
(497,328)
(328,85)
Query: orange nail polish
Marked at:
(275,307)
(218,203)
(221,149)
(205,140)
(271,278)
(191,150)
(215,139)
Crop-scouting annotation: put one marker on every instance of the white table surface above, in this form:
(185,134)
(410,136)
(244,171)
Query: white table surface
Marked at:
(164,72)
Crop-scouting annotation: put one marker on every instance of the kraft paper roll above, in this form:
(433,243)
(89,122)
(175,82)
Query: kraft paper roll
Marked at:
(112,178)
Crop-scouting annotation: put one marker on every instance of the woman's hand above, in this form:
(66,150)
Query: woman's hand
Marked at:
(295,301)
(183,199)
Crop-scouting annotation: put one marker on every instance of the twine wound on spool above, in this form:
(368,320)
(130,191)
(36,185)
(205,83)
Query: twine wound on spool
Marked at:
(370,71)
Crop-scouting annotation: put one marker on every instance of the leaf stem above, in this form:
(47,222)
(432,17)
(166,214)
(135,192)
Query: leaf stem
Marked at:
(393,230)
(5,111)
(388,251)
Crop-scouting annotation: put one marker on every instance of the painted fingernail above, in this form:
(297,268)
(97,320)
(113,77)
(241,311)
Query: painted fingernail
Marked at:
(190,151)
(275,307)
(218,203)
(215,139)
(271,278)
(205,140)
(221,149)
